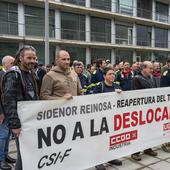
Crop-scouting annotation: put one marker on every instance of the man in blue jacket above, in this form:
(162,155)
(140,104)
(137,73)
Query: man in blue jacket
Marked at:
(97,75)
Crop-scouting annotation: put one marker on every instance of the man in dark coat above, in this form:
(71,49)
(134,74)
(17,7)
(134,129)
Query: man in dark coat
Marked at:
(144,80)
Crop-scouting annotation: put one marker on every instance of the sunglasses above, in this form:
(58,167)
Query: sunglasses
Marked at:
(24,48)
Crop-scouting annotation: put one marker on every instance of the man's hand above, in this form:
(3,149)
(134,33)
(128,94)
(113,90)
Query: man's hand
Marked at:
(118,90)
(16,132)
(1,118)
(68,96)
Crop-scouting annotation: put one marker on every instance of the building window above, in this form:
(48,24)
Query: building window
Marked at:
(124,55)
(72,26)
(35,21)
(8,18)
(125,7)
(97,53)
(101,4)
(143,56)
(124,34)
(144,9)
(8,49)
(75,2)
(144,35)
(161,38)
(162,12)
(100,29)
(76,53)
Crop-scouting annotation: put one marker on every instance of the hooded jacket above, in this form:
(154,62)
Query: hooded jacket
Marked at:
(56,83)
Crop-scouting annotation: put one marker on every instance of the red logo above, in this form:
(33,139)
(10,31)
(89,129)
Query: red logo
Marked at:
(166,126)
(123,137)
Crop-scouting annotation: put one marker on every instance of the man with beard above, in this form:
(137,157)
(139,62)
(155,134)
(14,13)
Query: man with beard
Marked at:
(19,84)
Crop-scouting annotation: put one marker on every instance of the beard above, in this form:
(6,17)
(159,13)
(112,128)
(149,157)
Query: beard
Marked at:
(29,66)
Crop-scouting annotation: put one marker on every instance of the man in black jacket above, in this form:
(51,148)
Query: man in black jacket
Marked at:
(7,63)
(144,81)
(19,84)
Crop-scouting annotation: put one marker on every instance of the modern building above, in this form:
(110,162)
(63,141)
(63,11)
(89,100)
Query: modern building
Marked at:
(114,29)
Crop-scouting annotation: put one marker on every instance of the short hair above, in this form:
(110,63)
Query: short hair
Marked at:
(99,62)
(5,58)
(58,53)
(168,60)
(106,69)
(144,64)
(88,66)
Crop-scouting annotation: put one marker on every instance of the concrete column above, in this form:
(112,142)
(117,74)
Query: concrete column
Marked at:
(88,4)
(134,35)
(153,9)
(134,55)
(153,38)
(134,8)
(152,57)
(114,5)
(21,44)
(113,56)
(113,32)
(87,28)
(169,38)
(88,56)
(21,20)
(57,25)
(169,14)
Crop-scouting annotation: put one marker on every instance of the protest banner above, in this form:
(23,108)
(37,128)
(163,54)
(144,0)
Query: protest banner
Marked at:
(93,129)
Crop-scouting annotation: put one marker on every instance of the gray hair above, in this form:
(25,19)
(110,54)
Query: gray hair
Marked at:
(5,58)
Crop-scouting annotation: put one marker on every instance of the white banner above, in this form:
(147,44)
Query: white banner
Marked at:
(90,130)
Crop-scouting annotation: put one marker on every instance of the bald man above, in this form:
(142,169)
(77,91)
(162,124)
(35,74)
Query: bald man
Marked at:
(7,63)
(61,82)
(144,80)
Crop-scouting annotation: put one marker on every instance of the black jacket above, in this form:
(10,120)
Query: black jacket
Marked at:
(14,90)
(1,107)
(141,82)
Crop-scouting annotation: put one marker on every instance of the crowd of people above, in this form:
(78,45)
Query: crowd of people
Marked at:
(23,79)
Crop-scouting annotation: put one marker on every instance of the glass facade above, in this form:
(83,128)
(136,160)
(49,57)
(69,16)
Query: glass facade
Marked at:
(161,38)
(144,8)
(35,21)
(124,55)
(8,49)
(144,56)
(144,35)
(100,53)
(124,34)
(8,18)
(72,26)
(76,53)
(161,57)
(125,7)
(100,29)
(162,12)
(102,4)
(75,2)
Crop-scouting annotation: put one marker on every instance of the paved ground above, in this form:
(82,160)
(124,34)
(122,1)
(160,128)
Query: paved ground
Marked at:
(161,162)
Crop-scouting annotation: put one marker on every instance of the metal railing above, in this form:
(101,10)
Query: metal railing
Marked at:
(72,34)
(75,2)
(37,31)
